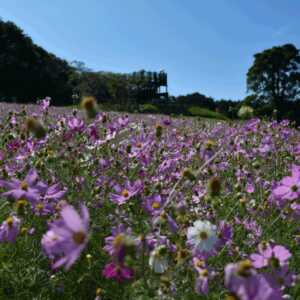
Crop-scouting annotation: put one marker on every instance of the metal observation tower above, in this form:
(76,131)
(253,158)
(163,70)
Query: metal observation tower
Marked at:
(150,86)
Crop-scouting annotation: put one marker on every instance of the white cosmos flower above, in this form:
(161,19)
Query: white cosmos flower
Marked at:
(158,261)
(202,235)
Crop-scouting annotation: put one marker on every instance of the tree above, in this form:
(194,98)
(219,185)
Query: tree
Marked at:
(80,66)
(274,77)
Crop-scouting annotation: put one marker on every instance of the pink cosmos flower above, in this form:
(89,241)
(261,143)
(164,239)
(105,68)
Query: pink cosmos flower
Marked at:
(154,204)
(9,229)
(270,255)
(76,124)
(119,272)
(45,103)
(67,237)
(246,284)
(124,194)
(225,234)
(116,243)
(281,277)
(250,188)
(289,186)
(297,150)
(27,189)
(201,285)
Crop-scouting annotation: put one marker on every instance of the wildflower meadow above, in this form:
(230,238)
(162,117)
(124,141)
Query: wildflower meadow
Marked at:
(111,206)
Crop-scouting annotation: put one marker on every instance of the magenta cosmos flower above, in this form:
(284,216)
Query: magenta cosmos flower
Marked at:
(201,284)
(124,194)
(154,204)
(67,237)
(22,189)
(76,124)
(270,255)
(45,103)
(289,186)
(118,272)
(9,229)
(115,244)
(49,198)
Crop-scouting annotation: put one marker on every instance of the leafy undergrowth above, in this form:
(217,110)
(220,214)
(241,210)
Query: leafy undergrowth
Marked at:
(147,207)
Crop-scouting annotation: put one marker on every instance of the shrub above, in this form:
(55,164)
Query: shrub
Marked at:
(205,113)
(149,108)
(245,112)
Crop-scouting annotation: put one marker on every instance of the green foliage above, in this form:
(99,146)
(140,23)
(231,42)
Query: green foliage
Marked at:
(245,112)
(205,113)
(149,108)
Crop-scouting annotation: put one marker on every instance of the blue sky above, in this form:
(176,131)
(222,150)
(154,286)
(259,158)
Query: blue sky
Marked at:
(205,46)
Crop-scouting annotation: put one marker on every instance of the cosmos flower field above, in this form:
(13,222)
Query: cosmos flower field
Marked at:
(110,206)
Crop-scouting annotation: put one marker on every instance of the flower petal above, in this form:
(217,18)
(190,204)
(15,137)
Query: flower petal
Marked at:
(72,218)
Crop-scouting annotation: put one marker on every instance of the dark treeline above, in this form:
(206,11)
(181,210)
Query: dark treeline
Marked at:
(28,72)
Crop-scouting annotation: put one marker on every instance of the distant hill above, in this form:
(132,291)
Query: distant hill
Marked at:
(27,71)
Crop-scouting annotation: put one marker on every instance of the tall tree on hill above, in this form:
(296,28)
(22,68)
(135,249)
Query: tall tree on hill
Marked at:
(274,77)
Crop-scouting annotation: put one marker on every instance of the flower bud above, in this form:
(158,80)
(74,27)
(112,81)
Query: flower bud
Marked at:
(35,127)
(188,174)
(89,104)
(158,132)
(214,186)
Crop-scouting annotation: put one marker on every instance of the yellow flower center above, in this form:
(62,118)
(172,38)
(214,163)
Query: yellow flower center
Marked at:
(24,230)
(244,268)
(155,205)
(10,222)
(98,292)
(125,193)
(264,245)
(182,254)
(231,297)
(21,203)
(24,185)
(203,235)
(200,263)
(163,215)
(118,240)
(79,237)
(40,206)
(210,144)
